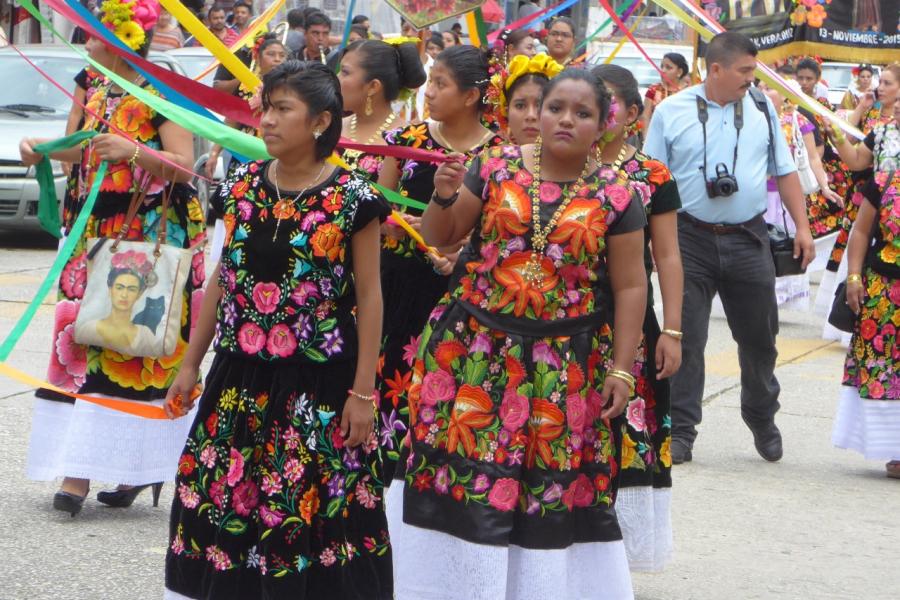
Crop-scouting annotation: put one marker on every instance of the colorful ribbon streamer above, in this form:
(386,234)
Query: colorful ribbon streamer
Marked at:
(612,55)
(196,94)
(542,15)
(583,56)
(203,35)
(689,14)
(621,25)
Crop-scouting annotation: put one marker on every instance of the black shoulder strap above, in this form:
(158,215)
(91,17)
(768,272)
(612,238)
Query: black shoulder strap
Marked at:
(759,100)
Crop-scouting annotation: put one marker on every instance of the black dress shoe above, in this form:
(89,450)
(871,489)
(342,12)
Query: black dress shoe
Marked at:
(681,452)
(767,439)
(68,502)
(125,498)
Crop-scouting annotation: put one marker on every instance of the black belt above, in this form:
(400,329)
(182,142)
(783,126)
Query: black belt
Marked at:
(721,228)
(536,328)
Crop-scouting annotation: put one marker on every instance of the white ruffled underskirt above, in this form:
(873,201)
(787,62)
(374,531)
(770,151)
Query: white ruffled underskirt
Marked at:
(88,441)
(438,566)
(870,427)
(645,517)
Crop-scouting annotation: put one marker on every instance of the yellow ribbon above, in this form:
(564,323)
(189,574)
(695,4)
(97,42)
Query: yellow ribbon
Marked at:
(206,37)
(624,39)
(472,25)
(765,74)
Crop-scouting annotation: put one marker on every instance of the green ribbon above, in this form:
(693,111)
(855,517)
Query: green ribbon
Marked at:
(48,203)
(621,11)
(481,27)
(72,239)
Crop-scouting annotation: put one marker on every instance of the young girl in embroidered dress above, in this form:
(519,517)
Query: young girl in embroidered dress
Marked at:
(516,394)
(279,484)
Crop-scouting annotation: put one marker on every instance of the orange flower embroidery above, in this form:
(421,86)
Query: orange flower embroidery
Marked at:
(659,174)
(544,426)
(283,210)
(508,210)
(326,241)
(510,276)
(582,224)
(333,203)
(471,410)
(309,505)
(417,134)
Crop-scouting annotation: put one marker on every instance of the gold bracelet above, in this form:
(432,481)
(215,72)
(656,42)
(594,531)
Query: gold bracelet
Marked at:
(625,376)
(854,278)
(361,396)
(673,333)
(134,157)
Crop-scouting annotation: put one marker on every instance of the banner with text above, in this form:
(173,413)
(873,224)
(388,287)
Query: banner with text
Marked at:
(843,30)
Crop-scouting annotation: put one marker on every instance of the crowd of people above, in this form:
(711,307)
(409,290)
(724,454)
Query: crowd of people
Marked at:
(459,387)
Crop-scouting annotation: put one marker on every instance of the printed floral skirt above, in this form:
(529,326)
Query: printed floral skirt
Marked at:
(853,201)
(507,443)
(411,290)
(825,216)
(874,347)
(269,503)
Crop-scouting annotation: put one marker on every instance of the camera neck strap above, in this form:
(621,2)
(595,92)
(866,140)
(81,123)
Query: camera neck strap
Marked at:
(703,117)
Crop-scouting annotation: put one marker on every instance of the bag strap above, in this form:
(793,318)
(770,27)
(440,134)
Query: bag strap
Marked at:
(136,200)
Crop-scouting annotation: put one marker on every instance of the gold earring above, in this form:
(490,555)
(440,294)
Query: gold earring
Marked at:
(369,110)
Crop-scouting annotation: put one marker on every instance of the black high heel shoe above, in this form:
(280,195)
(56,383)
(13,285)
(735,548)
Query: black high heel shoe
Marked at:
(125,498)
(68,502)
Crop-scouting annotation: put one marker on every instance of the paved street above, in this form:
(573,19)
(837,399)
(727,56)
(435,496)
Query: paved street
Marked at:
(820,524)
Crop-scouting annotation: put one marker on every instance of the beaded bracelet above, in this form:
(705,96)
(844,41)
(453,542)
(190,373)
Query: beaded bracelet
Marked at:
(361,396)
(134,157)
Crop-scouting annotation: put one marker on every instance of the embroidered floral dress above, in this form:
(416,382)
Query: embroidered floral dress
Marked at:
(86,446)
(368,165)
(869,412)
(825,216)
(410,286)
(269,502)
(646,461)
(507,445)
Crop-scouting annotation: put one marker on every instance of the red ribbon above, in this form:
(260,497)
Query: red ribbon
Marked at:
(519,23)
(401,152)
(112,127)
(621,25)
(230,106)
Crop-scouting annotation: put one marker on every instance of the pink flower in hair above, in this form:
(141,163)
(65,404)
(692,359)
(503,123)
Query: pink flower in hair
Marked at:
(611,115)
(146,13)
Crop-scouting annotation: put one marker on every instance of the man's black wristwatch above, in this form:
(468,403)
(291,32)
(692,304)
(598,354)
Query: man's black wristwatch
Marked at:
(444,202)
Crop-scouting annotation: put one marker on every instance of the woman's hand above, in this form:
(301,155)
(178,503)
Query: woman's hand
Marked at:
(26,151)
(444,264)
(182,393)
(357,420)
(833,196)
(856,295)
(615,396)
(113,148)
(668,356)
(867,101)
(449,176)
(212,161)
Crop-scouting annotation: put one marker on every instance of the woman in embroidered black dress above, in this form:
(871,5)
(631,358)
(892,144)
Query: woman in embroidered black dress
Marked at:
(373,74)
(516,392)
(413,280)
(278,488)
(644,501)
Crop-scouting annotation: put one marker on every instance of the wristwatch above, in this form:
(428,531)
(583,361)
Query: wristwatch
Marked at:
(444,202)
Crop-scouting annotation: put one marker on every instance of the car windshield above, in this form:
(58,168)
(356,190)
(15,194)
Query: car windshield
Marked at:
(194,64)
(32,93)
(837,77)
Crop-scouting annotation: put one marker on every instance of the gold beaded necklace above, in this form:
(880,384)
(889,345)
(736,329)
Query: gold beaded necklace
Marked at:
(534,272)
(621,176)
(374,137)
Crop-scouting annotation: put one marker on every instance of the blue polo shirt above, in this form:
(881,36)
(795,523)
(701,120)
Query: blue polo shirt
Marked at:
(675,137)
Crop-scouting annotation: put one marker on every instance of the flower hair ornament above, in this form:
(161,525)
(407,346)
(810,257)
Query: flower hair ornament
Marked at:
(130,20)
(136,262)
(503,78)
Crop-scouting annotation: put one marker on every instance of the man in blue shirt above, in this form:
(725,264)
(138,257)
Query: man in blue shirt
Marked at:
(722,235)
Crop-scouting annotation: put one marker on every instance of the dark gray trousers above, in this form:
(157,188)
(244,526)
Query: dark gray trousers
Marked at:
(739,267)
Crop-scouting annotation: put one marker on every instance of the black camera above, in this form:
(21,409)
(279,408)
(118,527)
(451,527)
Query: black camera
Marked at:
(723,185)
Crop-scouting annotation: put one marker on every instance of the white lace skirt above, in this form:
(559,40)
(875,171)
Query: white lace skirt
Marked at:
(437,566)
(871,427)
(93,442)
(645,517)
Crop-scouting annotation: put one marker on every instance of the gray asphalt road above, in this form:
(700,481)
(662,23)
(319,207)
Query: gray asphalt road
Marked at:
(820,524)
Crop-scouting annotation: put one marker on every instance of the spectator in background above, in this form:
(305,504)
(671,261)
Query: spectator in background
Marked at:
(357,32)
(318,29)
(362,21)
(215,19)
(242,12)
(296,36)
(674,67)
(518,42)
(434,46)
(407,29)
(561,40)
(451,38)
(457,29)
(528,8)
(167,34)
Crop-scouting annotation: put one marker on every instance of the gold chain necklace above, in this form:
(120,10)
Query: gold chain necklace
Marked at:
(374,137)
(621,176)
(534,272)
(285,210)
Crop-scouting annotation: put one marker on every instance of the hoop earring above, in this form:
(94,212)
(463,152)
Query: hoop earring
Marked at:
(317,134)
(368,109)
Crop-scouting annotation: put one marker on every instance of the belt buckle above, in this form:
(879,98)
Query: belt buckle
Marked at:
(720,229)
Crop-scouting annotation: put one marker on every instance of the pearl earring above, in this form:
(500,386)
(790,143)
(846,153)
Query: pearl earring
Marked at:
(317,134)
